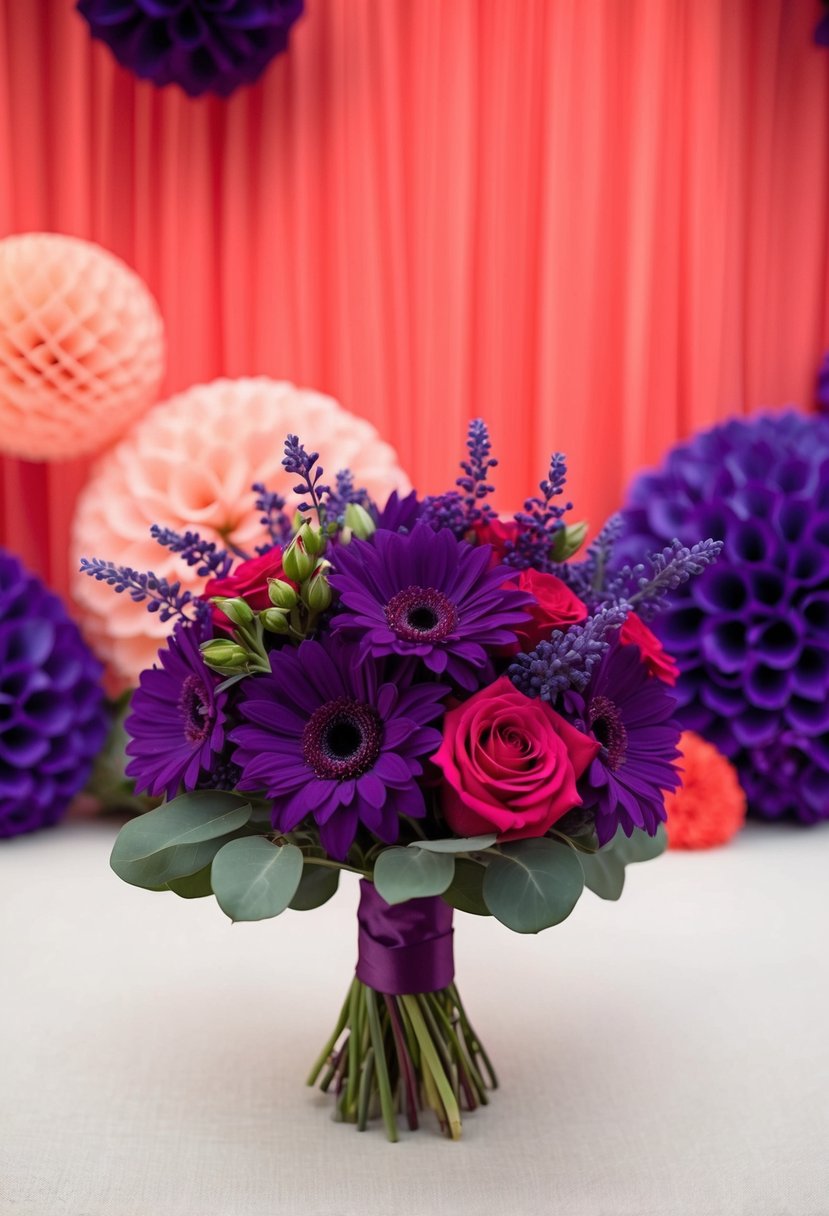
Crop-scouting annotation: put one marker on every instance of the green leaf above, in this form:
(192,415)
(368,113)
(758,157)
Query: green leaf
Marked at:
(178,838)
(403,873)
(193,886)
(640,846)
(316,886)
(604,871)
(472,844)
(466,890)
(533,884)
(254,879)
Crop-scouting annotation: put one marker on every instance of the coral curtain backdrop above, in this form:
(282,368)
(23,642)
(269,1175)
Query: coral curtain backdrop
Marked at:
(600,224)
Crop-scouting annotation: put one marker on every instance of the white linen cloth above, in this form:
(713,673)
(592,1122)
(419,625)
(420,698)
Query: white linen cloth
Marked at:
(664,1056)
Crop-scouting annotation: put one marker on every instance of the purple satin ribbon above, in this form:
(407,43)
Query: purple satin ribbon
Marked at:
(404,948)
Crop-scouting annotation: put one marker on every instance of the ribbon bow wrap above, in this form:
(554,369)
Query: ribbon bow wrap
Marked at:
(404,948)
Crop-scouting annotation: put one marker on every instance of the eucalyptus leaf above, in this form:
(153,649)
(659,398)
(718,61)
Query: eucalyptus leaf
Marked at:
(176,839)
(466,890)
(253,879)
(472,844)
(604,871)
(639,846)
(403,873)
(316,886)
(533,884)
(193,886)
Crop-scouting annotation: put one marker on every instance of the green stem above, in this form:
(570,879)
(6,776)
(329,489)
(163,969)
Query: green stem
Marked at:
(333,865)
(475,1045)
(329,1046)
(458,1045)
(431,1060)
(364,1096)
(354,1043)
(383,1083)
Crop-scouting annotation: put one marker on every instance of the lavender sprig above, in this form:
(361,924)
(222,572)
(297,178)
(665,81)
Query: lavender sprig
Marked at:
(212,562)
(446,511)
(163,597)
(540,520)
(273,517)
(475,482)
(568,658)
(670,568)
(343,494)
(302,464)
(587,578)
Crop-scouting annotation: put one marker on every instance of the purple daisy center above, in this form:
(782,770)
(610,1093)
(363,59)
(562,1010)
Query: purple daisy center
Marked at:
(421,614)
(194,707)
(609,729)
(342,739)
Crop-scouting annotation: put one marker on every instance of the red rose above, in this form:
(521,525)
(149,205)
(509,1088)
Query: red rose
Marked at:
(496,532)
(555,607)
(249,581)
(659,663)
(510,764)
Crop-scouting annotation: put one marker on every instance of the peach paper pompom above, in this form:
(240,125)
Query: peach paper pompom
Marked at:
(190,464)
(710,806)
(81,346)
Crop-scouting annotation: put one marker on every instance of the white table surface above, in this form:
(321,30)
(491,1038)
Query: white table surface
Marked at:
(665,1055)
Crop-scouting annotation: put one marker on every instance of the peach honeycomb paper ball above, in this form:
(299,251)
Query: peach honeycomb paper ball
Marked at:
(189,464)
(81,346)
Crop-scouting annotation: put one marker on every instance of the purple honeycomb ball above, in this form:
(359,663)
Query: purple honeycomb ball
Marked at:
(203,45)
(53,720)
(751,635)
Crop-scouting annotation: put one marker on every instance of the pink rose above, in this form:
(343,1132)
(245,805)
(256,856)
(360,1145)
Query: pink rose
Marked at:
(510,764)
(659,663)
(555,607)
(249,581)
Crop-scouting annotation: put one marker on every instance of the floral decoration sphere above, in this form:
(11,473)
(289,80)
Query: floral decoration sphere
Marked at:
(81,346)
(709,807)
(53,720)
(190,464)
(751,635)
(202,45)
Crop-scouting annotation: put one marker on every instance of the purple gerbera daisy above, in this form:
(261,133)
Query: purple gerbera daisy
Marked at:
(328,737)
(629,713)
(427,595)
(399,514)
(176,719)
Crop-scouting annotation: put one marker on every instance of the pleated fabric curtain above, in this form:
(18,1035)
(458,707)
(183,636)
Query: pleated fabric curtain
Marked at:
(598,223)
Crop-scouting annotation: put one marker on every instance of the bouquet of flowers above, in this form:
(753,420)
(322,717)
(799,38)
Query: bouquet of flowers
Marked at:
(424,695)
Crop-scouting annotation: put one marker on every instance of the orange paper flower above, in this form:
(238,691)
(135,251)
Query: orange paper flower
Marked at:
(190,464)
(710,806)
(81,347)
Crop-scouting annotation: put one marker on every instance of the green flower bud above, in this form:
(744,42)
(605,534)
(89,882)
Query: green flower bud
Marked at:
(281,594)
(317,591)
(358,520)
(313,539)
(297,562)
(568,541)
(224,655)
(236,610)
(275,620)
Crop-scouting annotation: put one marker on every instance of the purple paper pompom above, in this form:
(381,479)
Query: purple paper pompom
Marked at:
(52,716)
(751,635)
(203,45)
